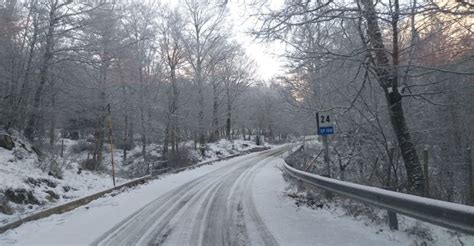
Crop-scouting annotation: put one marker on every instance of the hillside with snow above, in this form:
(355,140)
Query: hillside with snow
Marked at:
(31,181)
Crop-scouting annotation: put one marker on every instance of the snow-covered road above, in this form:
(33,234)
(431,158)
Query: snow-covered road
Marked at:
(235,202)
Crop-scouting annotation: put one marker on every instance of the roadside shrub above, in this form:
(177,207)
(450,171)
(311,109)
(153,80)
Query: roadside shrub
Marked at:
(21,196)
(82,146)
(89,164)
(420,231)
(181,158)
(129,145)
(53,165)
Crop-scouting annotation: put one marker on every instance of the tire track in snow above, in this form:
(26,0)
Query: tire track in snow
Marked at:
(214,209)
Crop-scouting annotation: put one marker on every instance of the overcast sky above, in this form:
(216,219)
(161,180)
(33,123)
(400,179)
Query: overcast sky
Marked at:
(266,55)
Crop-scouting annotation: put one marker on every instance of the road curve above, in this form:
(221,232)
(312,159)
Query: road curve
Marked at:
(214,209)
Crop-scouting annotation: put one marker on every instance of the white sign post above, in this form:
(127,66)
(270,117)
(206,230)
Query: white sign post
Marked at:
(325,127)
(325,124)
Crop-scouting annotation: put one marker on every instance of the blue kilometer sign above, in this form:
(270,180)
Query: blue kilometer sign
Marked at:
(326,130)
(324,124)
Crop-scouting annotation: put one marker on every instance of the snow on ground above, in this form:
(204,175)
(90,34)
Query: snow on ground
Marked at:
(419,231)
(292,225)
(411,232)
(223,148)
(85,224)
(20,172)
(21,164)
(289,224)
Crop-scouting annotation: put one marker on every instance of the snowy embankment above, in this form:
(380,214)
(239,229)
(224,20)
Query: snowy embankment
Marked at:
(301,225)
(420,233)
(83,225)
(29,184)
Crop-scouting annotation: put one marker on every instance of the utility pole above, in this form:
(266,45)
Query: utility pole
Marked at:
(111,143)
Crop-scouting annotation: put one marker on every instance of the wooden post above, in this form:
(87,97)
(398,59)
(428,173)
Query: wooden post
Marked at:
(471,176)
(62,148)
(426,173)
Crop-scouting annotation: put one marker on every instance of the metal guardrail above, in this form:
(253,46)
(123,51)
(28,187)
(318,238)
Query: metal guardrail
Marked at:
(446,214)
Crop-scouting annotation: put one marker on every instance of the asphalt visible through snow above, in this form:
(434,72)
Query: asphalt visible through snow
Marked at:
(214,209)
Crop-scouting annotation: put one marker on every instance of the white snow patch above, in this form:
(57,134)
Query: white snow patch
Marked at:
(292,225)
(83,225)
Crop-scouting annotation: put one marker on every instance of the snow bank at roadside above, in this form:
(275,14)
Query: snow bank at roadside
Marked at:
(224,147)
(301,225)
(30,187)
(418,233)
(28,184)
(83,225)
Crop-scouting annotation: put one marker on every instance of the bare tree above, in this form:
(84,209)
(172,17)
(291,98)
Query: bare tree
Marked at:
(202,37)
(172,51)
(237,77)
(377,61)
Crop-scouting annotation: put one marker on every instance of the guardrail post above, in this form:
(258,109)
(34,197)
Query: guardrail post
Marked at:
(328,194)
(299,186)
(426,173)
(392,220)
(392,216)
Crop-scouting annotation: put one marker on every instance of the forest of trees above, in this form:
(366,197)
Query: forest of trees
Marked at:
(162,75)
(397,75)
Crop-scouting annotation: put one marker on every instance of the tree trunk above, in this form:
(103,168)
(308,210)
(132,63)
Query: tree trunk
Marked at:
(24,91)
(52,136)
(408,150)
(176,141)
(202,140)
(388,77)
(125,138)
(143,128)
(173,107)
(215,117)
(228,125)
(173,139)
(47,57)
(166,140)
